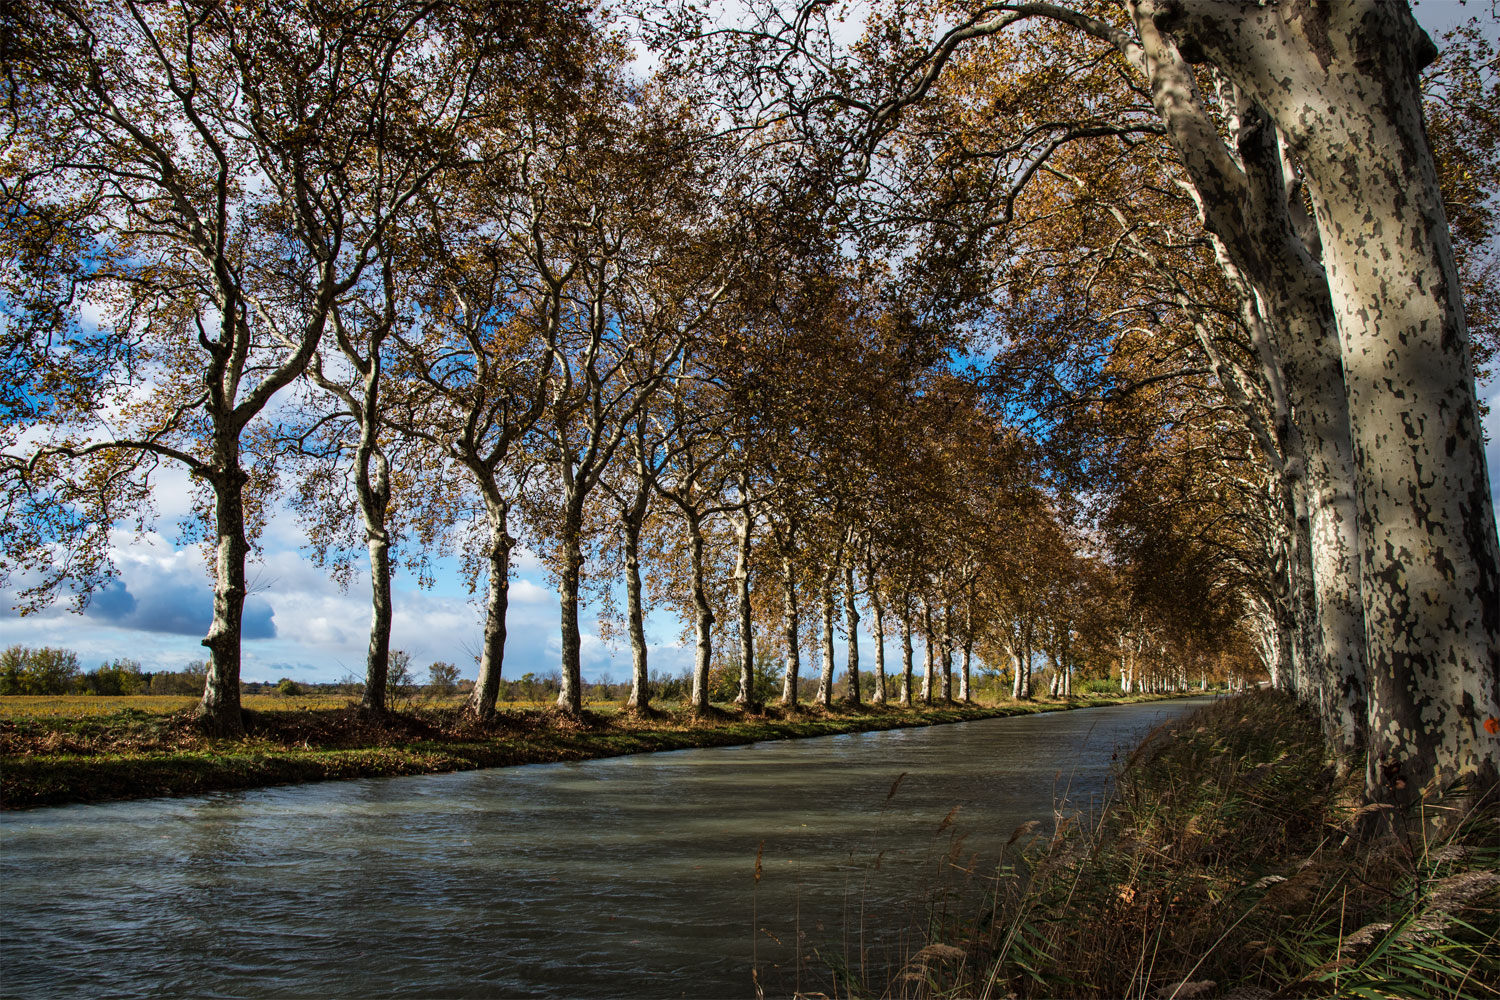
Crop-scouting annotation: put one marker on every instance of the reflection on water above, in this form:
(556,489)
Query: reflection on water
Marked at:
(632,876)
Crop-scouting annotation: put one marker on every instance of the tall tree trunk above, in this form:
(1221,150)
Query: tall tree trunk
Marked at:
(968,657)
(703,618)
(878,612)
(1342,84)
(1026,653)
(825,678)
(746,695)
(1255,212)
(1018,682)
(947,646)
(372,482)
(906,685)
(927,654)
(640,685)
(378,658)
(570,697)
(218,711)
(481,703)
(851,622)
(792,631)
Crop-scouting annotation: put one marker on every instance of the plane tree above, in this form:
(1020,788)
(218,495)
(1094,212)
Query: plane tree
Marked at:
(217,178)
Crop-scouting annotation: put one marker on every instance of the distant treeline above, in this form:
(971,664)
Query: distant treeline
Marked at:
(56,671)
(51,671)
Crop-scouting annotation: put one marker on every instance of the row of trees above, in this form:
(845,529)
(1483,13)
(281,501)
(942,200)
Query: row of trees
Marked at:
(1018,345)
(468,278)
(1245,195)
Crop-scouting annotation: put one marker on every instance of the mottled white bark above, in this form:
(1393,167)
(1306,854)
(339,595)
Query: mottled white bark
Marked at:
(928,653)
(744,532)
(792,628)
(906,655)
(219,709)
(1341,83)
(481,703)
(703,616)
(640,686)
(825,677)
(877,614)
(851,624)
(1246,205)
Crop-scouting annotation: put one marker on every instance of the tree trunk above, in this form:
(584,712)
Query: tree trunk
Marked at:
(218,711)
(570,697)
(1342,84)
(1025,668)
(947,645)
(746,695)
(1264,239)
(703,618)
(968,649)
(928,653)
(878,612)
(792,634)
(496,607)
(851,622)
(825,678)
(906,685)
(640,687)
(378,658)
(372,481)
(1018,682)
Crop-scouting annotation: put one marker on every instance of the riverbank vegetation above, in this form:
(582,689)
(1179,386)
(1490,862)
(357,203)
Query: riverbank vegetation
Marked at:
(1240,860)
(85,749)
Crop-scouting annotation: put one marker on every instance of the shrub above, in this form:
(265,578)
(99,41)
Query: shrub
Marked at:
(1097,685)
(289,687)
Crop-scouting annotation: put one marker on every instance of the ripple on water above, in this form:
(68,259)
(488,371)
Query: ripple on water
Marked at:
(619,877)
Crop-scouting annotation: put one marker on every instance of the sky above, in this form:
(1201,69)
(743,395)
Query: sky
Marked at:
(300,624)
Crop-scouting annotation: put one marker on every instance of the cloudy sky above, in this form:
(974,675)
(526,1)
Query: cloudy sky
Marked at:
(298,623)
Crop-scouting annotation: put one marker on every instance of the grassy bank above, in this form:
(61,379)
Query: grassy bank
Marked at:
(62,750)
(1237,863)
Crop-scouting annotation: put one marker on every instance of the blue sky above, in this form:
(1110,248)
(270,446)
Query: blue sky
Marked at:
(298,623)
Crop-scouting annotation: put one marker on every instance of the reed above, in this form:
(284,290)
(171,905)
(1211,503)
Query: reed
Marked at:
(1237,863)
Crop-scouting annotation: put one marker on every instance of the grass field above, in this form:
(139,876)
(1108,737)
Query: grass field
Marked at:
(79,706)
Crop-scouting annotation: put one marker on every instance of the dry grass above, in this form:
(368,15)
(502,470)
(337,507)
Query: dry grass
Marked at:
(1229,868)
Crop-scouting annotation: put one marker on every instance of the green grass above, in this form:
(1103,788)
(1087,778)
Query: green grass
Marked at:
(71,749)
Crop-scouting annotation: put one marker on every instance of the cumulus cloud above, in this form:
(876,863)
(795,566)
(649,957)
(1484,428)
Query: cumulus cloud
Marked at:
(177,607)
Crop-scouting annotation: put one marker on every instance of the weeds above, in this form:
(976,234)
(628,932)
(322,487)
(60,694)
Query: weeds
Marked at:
(1229,868)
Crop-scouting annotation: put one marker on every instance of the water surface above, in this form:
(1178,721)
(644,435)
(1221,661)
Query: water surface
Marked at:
(633,876)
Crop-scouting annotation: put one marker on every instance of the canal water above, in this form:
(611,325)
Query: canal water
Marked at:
(628,877)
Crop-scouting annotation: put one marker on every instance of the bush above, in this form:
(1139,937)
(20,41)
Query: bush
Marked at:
(288,687)
(38,671)
(1097,685)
